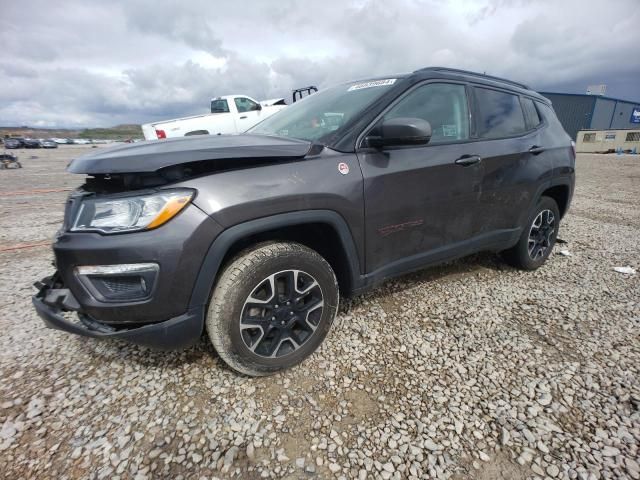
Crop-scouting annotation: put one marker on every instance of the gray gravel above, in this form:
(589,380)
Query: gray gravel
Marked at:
(470,370)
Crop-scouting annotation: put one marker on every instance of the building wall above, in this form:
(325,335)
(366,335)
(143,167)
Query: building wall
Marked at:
(602,114)
(604,140)
(573,111)
(622,115)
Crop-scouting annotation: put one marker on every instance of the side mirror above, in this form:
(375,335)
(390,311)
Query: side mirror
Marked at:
(400,131)
(258,107)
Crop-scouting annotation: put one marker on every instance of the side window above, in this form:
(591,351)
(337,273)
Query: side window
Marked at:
(632,137)
(531,115)
(443,105)
(499,115)
(245,105)
(219,106)
(549,115)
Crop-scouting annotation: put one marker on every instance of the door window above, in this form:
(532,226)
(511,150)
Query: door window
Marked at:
(443,105)
(245,105)
(499,115)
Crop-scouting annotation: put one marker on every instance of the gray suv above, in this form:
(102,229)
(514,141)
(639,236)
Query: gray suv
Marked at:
(253,238)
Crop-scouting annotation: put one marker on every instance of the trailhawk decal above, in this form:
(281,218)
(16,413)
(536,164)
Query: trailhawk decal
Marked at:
(375,83)
(343,168)
(389,229)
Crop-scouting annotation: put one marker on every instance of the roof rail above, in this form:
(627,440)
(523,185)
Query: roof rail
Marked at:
(475,74)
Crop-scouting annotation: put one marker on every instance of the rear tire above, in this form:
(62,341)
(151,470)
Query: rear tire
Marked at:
(272,307)
(538,237)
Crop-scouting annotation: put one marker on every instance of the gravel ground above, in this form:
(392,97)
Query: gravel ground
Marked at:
(470,370)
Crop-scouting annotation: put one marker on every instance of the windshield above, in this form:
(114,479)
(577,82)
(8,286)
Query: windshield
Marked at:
(317,116)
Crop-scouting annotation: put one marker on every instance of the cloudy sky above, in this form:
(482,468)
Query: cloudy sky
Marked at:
(101,63)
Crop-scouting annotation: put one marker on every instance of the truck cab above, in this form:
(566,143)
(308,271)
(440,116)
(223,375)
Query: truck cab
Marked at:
(230,114)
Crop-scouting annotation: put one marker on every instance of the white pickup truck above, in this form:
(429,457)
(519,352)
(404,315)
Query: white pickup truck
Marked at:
(229,114)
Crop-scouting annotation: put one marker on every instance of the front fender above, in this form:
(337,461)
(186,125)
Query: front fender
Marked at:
(221,245)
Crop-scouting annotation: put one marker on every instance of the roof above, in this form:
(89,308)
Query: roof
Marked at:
(469,73)
(590,96)
(489,80)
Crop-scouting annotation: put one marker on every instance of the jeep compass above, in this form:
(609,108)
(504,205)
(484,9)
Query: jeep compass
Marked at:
(253,238)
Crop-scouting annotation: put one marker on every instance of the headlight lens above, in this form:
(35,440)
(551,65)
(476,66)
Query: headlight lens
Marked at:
(129,214)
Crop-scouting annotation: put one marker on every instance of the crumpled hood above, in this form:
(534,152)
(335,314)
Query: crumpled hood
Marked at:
(156,154)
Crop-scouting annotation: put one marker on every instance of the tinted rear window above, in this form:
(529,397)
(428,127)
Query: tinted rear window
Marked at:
(500,114)
(219,106)
(549,115)
(531,115)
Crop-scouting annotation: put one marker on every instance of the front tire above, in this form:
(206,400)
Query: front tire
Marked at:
(272,307)
(538,237)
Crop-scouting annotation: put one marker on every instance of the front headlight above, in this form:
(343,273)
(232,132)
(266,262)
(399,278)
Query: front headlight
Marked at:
(129,214)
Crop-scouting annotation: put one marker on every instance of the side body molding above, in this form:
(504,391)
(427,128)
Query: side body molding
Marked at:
(224,241)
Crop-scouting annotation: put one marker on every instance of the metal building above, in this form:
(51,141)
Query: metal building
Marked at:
(593,112)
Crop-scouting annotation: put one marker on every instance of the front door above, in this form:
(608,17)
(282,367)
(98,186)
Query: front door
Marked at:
(248,113)
(419,202)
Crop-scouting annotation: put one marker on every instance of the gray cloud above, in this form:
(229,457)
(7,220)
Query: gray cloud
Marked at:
(74,63)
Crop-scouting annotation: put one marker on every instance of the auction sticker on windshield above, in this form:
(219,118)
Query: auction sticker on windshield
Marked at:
(375,83)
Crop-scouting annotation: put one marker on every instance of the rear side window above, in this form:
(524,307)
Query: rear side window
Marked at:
(219,106)
(443,105)
(549,115)
(531,116)
(499,114)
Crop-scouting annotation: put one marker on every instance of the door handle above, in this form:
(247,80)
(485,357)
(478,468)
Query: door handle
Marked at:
(243,117)
(467,160)
(536,150)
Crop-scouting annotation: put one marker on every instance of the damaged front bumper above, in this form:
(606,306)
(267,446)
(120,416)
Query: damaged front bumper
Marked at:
(53,299)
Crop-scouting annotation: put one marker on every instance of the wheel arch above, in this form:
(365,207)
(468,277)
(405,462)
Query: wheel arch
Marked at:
(560,193)
(322,230)
(559,189)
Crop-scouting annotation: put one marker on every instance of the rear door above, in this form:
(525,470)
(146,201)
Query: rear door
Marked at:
(510,148)
(418,200)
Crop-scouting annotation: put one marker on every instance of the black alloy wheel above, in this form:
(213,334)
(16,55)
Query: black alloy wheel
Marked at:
(541,234)
(272,306)
(281,314)
(537,238)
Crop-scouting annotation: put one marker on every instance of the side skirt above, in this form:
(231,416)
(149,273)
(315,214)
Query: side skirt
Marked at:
(493,241)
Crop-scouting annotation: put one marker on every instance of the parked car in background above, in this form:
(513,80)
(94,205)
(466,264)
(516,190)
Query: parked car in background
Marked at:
(31,143)
(9,161)
(13,142)
(229,114)
(252,238)
(81,141)
(60,141)
(48,143)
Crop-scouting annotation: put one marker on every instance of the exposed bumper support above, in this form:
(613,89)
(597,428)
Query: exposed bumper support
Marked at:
(178,332)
